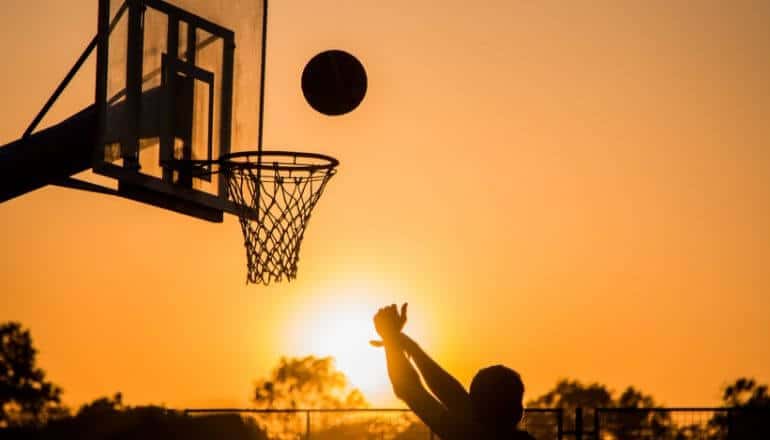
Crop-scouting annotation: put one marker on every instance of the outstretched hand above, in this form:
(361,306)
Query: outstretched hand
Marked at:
(389,323)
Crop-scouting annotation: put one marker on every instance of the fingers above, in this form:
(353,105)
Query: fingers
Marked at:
(388,320)
(389,309)
(393,309)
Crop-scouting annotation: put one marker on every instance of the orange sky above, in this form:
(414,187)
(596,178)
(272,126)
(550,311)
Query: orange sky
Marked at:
(575,190)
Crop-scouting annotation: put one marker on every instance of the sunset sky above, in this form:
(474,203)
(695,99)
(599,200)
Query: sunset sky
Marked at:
(573,189)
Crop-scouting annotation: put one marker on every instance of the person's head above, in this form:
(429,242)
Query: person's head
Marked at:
(496,398)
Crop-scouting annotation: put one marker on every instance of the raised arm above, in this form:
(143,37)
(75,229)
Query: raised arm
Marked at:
(408,387)
(448,423)
(405,380)
(443,385)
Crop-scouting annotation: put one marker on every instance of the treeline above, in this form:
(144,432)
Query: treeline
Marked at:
(108,419)
(31,408)
(633,414)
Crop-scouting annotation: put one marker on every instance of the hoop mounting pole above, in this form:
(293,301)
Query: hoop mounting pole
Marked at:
(260,135)
(262,79)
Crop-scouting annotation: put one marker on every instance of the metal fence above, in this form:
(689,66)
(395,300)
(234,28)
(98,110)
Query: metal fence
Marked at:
(543,424)
(328,424)
(682,423)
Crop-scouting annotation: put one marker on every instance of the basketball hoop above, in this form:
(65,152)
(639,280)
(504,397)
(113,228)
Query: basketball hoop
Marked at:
(274,192)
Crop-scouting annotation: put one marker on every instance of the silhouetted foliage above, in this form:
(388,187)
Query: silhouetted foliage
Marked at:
(25,396)
(570,395)
(751,403)
(314,382)
(651,423)
(102,406)
(108,419)
(745,392)
(307,382)
(574,394)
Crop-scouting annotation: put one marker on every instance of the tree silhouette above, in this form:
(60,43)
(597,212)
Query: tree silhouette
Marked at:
(106,419)
(572,394)
(304,383)
(568,395)
(102,406)
(636,423)
(25,396)
(746,393)
(307,382)
(751,406)
(314,383)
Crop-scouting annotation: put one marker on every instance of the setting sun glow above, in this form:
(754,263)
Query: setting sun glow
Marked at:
(341,327)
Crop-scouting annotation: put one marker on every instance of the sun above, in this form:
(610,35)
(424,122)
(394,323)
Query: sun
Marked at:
(340,326)
(346,338)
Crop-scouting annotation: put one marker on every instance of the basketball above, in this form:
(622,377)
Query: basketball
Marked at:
(334,82)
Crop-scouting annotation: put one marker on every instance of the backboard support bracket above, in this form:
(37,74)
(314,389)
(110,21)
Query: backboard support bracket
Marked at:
(142,195)
(54,155)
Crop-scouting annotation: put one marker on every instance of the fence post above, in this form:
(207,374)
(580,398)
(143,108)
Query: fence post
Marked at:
(560,424)
(729,423)
(307,425)
(597,429)
(578,423)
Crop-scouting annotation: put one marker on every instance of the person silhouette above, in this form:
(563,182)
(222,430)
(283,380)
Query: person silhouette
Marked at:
(491,410)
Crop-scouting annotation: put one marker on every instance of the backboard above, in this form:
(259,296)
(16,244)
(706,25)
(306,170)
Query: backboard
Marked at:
(177,80)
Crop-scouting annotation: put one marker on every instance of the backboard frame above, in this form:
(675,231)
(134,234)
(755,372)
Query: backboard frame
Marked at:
(171,190)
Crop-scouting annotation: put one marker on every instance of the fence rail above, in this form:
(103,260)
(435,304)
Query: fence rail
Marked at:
(685,423)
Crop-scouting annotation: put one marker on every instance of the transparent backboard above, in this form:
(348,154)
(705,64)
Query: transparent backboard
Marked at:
(177,80)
